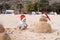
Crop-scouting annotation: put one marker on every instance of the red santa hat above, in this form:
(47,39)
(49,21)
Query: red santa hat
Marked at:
(46,15)
(22,17)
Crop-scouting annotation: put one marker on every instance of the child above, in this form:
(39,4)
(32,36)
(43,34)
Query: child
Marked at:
(22,23)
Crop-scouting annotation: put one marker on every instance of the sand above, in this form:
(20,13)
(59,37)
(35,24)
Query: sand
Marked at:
(16,34)
(10,23)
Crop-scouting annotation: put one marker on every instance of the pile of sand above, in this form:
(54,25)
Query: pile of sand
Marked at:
(3,34)
(42,26)
(1,28)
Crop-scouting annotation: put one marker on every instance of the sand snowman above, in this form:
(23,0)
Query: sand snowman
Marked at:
(42,26)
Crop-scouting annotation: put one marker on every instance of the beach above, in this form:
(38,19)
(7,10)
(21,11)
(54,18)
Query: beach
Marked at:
(10,23)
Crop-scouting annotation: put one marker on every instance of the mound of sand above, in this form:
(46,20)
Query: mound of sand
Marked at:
(1,28)
(6,37)
(3,34)
(42,26)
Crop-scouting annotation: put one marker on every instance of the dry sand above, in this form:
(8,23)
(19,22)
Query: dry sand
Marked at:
(16,34)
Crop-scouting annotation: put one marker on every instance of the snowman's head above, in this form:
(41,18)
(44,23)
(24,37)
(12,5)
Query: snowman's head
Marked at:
(43,18)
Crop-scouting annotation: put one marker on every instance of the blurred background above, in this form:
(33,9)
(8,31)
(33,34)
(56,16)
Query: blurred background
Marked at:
(28,6)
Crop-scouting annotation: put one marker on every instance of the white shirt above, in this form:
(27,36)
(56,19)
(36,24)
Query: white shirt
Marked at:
(22,24)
